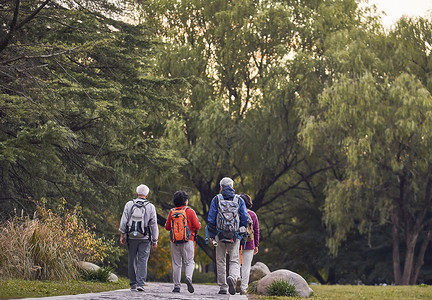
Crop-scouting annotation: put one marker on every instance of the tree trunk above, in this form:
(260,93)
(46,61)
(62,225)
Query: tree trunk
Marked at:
(396,255)
(331,278)
(318,276)
(411,239)
(420,257)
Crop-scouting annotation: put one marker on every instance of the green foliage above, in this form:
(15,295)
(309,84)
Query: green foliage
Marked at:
(101,275)
(313,109)
(372,119)
(81,110)
(253,287)
(281,287)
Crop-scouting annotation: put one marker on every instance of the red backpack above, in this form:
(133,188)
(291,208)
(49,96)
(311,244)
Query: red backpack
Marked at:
(180,232)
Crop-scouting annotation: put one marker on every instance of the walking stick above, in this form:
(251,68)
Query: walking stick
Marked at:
(195,238)
(241,255)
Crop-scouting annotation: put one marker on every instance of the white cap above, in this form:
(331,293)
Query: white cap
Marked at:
(142,189)
(226,181)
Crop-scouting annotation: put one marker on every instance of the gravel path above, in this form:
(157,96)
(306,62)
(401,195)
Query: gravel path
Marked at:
(154,291)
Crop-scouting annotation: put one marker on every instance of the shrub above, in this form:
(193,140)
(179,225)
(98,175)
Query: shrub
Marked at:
(281,288)
(253,287)
(47,246)
(101,274)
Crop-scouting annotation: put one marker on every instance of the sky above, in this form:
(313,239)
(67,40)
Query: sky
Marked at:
(396,8)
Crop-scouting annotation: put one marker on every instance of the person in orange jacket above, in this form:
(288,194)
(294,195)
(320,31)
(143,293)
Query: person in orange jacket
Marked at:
(183,223)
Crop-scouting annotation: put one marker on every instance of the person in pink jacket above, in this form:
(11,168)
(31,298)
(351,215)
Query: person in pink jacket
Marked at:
(250,249)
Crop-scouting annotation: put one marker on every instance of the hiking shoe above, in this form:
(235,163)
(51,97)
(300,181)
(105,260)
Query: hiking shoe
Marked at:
(133,288)
(140,288)
(237,287)
(188,281)
(176,290)
(231,285)
(222,292)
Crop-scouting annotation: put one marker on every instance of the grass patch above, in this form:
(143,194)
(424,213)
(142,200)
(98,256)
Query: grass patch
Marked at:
(18,288)
(281,288)
(354,292)
(102,274)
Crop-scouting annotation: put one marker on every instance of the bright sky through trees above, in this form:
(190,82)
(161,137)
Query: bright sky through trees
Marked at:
(394,9)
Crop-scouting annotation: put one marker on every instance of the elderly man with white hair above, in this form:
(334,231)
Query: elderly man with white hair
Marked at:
(139,230)
(225,230)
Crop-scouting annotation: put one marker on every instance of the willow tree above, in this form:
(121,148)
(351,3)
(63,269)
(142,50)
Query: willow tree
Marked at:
(375,117)
(238,117)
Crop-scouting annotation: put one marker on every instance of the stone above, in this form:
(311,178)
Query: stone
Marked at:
(302,287)
(258,271)
(87,266)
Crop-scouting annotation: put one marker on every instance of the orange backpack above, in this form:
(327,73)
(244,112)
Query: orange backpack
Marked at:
(180,232)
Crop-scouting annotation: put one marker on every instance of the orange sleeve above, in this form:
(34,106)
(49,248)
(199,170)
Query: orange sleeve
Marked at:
(195,225)
(168,222)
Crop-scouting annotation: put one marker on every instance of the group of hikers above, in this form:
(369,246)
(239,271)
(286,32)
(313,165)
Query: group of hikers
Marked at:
(232,228)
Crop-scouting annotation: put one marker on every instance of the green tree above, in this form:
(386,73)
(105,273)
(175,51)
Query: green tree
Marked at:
(374,116)
(80,108)
(239,112)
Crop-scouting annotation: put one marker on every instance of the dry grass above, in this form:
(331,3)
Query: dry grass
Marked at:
(31,250)
(47,246)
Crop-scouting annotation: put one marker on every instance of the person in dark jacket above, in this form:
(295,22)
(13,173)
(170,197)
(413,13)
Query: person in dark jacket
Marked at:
(232,248)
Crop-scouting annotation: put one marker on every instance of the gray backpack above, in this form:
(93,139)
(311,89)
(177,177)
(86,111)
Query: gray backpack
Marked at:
(227,220)
(137,226)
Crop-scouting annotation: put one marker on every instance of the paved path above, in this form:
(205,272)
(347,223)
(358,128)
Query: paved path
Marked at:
(154,291)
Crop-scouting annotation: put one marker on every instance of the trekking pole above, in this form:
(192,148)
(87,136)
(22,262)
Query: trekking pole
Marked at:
(195,238)
(206,235)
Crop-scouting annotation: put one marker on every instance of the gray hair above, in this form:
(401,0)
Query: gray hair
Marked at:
(226,181)
(142,189)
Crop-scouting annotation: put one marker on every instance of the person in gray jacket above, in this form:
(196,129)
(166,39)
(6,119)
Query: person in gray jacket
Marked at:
(139,230)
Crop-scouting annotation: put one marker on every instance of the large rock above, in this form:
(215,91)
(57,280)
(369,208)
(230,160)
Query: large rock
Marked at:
(258,271)
(87,266)
(302,287)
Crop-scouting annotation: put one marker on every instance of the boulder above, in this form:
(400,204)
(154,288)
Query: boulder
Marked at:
(258,271)
(87,266)
(301,286)
(112,277)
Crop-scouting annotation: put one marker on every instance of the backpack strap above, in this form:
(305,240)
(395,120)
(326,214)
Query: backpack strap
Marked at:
(137,203)
(236,198)
(219,197)
(176,208)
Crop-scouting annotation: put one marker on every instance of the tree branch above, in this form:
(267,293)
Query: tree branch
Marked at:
(31,16)
(37,56)
(8,38)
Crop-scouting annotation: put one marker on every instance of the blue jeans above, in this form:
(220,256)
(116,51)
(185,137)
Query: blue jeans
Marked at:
(138,255)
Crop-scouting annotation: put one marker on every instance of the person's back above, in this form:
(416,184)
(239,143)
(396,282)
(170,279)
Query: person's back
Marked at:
(249,249)
(139,230)
(183,224)
(227,243)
